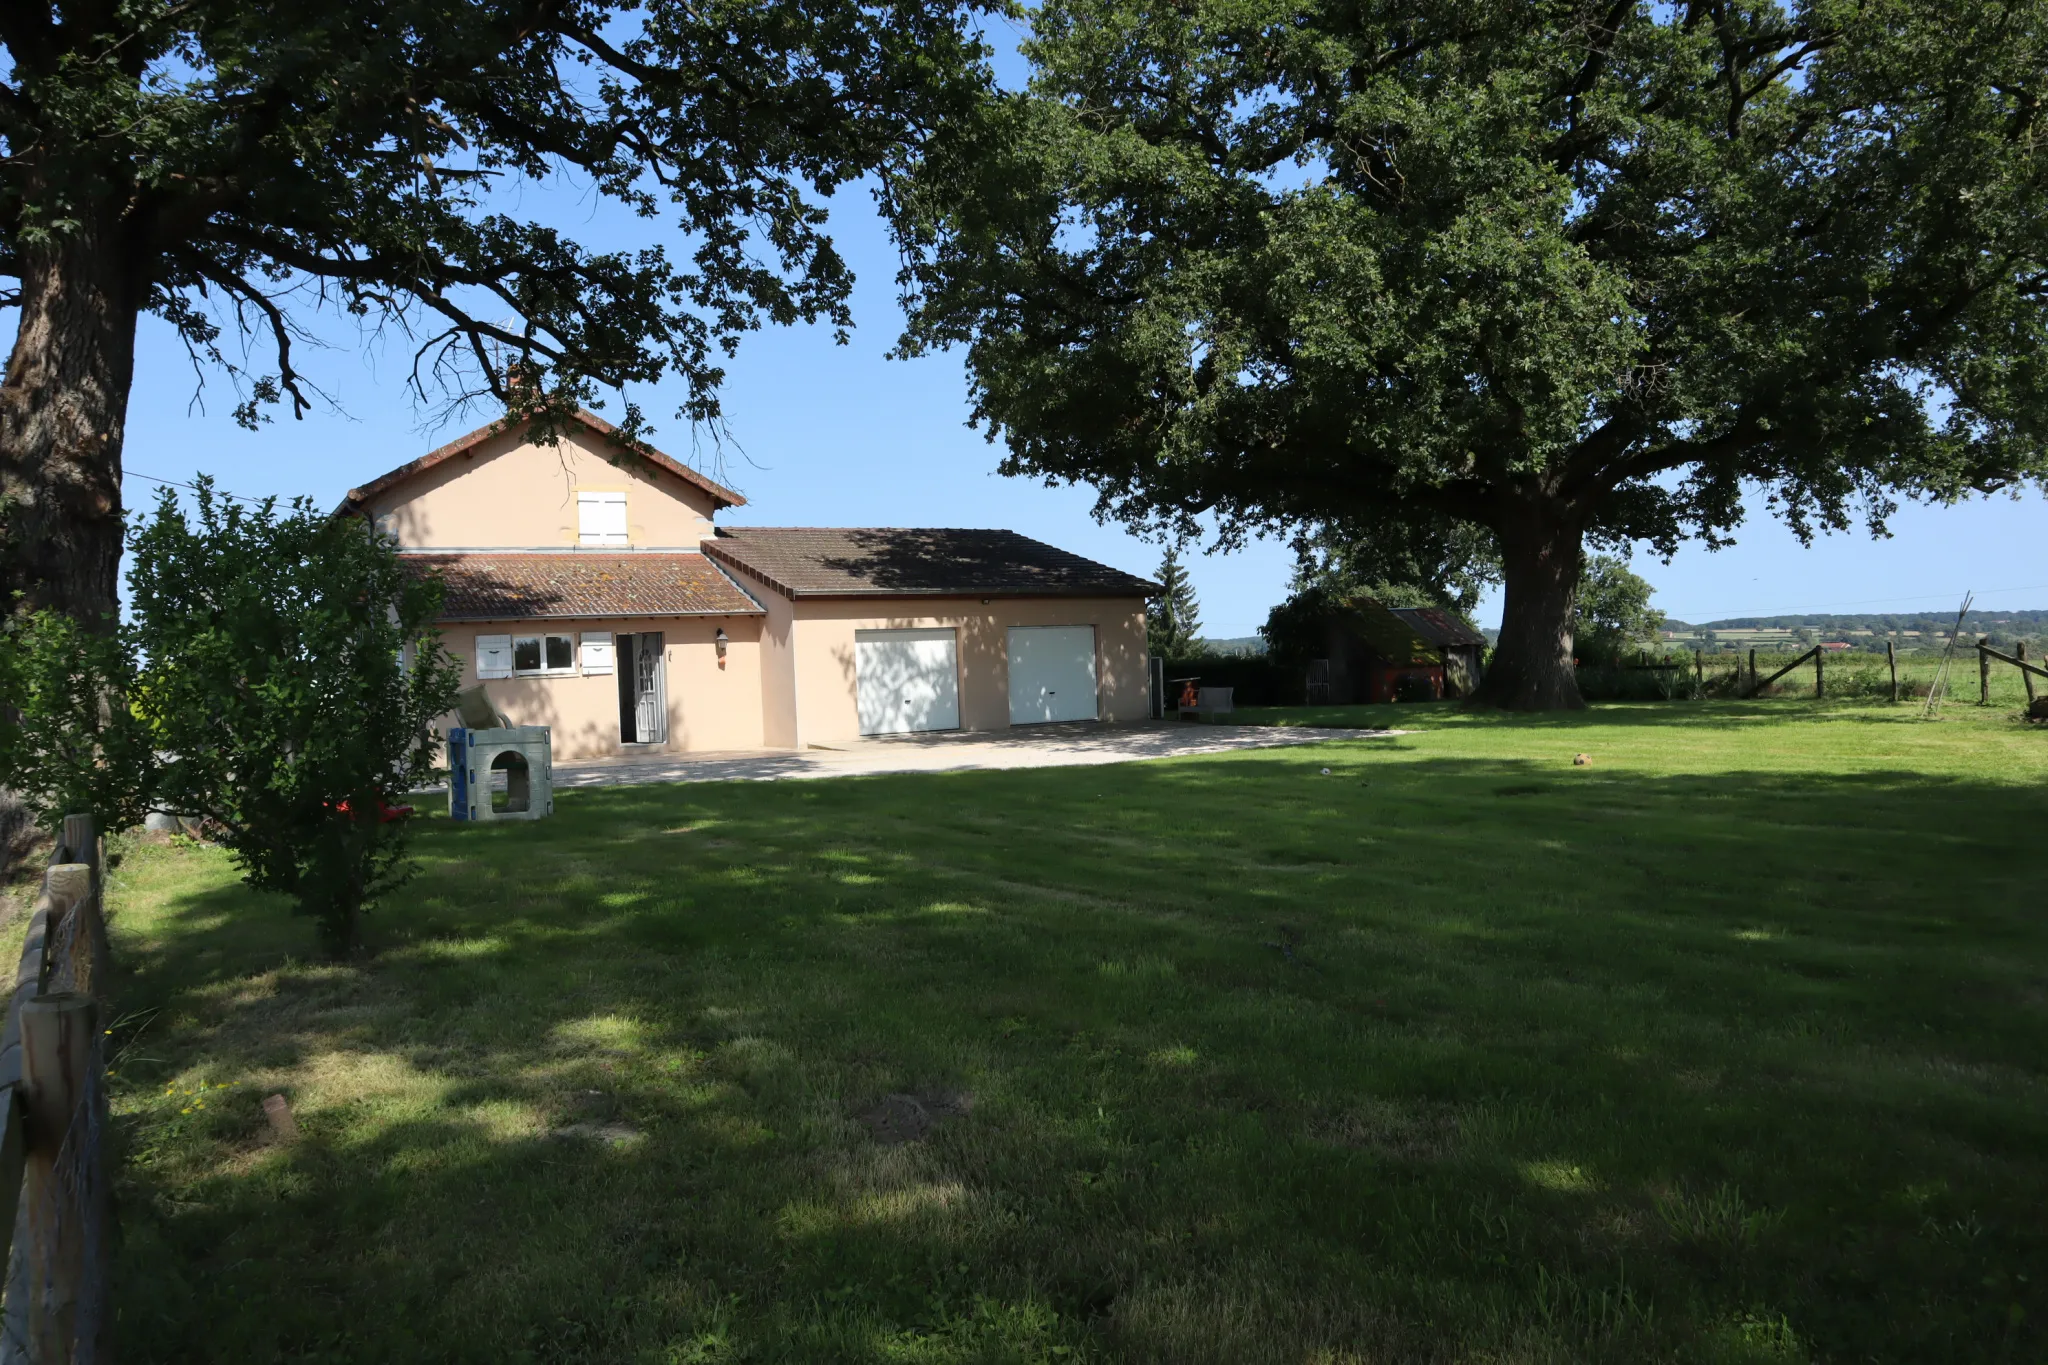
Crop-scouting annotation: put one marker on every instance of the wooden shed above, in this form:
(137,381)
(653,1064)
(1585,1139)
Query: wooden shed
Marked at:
(1374,649)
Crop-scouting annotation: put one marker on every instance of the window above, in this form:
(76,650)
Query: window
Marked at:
(543,654)
(493,656)
(601,518)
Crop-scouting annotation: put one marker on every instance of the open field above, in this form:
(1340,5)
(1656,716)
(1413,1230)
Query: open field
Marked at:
(1859,679)
(1727,1047)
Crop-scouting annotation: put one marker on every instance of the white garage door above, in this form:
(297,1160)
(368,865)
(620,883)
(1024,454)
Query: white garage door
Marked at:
(906,680)
(1052,673)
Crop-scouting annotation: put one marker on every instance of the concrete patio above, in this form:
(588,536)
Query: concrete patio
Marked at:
(1039,746)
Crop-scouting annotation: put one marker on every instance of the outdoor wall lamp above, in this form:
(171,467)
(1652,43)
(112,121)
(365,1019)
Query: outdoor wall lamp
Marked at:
(719,640)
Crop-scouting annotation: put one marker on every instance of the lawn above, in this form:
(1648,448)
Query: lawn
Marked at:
(1725,1047)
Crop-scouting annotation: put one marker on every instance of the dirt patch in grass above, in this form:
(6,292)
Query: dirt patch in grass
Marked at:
(901,1118)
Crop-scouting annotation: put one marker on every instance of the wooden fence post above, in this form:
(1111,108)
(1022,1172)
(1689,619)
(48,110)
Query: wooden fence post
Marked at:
(79,837)
(1699,668)
(2019,651)
(1752,668)
(56,1057)
(1819,685)
(73,956)
(1891,659)
(1983,672)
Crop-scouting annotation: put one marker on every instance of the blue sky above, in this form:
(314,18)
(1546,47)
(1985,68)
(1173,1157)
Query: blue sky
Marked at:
(839,435)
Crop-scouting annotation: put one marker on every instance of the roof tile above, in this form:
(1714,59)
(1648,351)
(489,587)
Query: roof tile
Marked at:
(517,587)
(881,561)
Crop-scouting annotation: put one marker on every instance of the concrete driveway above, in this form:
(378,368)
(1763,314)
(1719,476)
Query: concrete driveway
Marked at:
(1038,746)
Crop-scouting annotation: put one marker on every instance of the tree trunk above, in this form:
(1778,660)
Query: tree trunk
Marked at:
(63,414)
(1532,668)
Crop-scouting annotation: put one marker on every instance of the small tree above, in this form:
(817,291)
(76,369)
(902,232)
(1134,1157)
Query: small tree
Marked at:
(1175,616)
(1614,611)
(289,670)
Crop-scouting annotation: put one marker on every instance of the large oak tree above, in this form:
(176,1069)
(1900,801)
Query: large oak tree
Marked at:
(1558,270)
(232,165)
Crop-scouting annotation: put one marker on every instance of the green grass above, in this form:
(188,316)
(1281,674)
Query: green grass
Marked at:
(1727,1047)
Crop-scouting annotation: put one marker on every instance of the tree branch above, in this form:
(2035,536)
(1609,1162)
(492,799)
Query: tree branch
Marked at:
(280,331)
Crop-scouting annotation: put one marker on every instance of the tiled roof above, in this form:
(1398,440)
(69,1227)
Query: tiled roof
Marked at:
(804,561)
(1392,636)
(356,497)
(517,587)
(1439,627)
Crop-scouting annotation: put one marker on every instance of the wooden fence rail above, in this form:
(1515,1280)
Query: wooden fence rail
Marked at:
(2018,659)
(54,1210)
(1819,679)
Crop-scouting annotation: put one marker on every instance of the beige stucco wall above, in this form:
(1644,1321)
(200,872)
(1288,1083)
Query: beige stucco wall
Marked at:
(826,709)
(709,707)
(510,493)
(778,661)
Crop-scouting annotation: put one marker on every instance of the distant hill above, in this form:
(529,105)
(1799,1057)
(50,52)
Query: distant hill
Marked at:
(2015,622)
(1883,623)
(1242,644)
(1869,630)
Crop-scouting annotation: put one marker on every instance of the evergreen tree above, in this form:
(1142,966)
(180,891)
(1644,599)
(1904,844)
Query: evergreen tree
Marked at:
(1175,616)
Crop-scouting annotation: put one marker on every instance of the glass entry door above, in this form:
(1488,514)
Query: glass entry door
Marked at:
(643,688)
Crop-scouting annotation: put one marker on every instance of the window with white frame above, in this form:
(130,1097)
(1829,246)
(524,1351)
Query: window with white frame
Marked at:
(543,654)
(493,656)
(601,518)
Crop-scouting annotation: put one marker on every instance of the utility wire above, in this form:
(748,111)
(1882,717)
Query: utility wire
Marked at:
(173,483)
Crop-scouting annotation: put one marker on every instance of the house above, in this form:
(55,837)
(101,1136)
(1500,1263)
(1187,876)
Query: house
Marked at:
(1378,653)
(587,584)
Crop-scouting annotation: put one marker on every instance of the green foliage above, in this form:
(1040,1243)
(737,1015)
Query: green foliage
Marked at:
(244,161)
(258,683)
(1173,619)
(1615,617)
(1581,270)
(70,742)
(1444,564)
(272,682)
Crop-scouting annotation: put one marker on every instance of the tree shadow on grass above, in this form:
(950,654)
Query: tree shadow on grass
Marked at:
(1415,1061)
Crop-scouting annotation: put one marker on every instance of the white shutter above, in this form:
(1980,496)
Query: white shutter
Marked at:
(601,518)
(597,651)
(493,656)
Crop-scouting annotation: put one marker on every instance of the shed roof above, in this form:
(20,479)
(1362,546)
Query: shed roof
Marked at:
(1391,636)
(581,584)
(721,496)
(1442,628)
(886,561)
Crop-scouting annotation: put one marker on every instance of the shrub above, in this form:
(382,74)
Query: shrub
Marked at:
(276,679)
(291,671)
(70,741)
